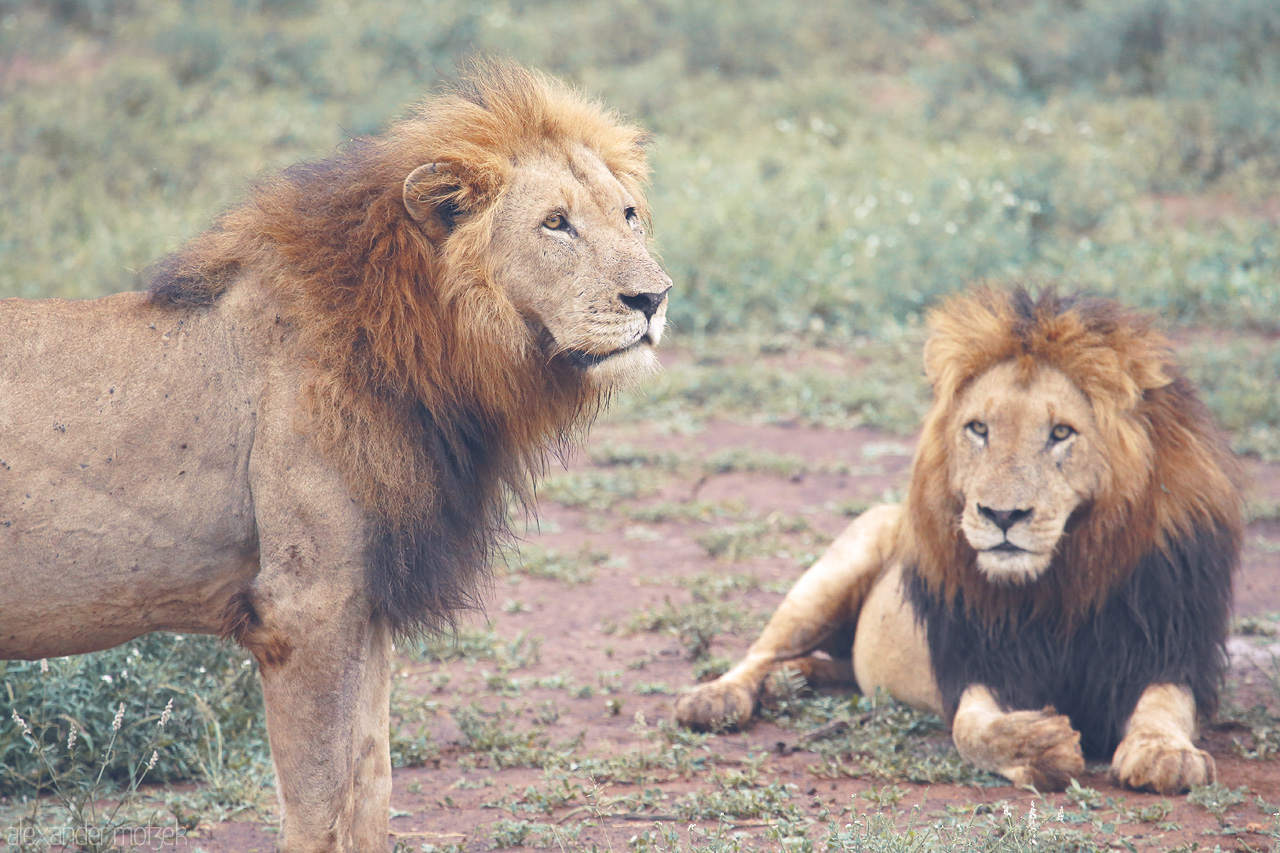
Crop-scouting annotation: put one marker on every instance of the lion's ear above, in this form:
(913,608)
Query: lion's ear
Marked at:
(432,194)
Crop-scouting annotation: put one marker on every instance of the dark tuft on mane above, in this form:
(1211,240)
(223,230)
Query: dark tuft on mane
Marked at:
(171,282)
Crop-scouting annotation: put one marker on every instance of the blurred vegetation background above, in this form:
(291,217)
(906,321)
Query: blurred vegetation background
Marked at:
(822,171)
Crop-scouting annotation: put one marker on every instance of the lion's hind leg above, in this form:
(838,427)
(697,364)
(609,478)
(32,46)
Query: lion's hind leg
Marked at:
(823,603)
(816,670)
(1039,749)
(1158,750)
(787,678)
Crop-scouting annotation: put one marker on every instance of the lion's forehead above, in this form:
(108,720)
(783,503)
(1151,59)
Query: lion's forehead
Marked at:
(575,178)
(1021,403)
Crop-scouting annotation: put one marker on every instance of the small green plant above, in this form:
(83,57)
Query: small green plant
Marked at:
(1217,799)
(882,798)
(695,623)
(491,736)
(597,488)
(536,562)
(477,644)
(754,461)
(1084,797)
(525,833)
(878,737)
(985,830)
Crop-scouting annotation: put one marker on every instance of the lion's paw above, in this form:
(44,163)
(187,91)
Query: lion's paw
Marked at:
(1043,748)
(715,706)
(1160,763)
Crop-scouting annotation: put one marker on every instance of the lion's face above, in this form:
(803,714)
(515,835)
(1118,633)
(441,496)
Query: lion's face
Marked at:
(571,254)
(1024,456)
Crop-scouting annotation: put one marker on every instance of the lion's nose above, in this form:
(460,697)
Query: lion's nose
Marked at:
(648,303)
(1004,518)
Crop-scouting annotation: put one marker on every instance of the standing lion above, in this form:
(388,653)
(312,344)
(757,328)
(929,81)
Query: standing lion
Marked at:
(305,433)
(1058,582)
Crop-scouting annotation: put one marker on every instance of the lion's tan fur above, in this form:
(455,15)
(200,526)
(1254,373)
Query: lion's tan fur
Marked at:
(1142,472)
(306,433)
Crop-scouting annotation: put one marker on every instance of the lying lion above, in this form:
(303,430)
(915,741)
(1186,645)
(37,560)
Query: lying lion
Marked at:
(304,435)
(1058,582)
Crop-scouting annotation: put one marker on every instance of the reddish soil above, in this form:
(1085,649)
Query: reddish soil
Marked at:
(582,632)
(1211,209)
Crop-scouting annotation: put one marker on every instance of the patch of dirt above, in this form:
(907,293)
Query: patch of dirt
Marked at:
(1210,209)
(598,690)
(82,61)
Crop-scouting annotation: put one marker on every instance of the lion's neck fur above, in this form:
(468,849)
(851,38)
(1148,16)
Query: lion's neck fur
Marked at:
(428,391)
(1174,476)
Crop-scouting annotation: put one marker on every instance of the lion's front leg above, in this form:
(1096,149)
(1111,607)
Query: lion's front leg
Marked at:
(327,717)
(371,785)
(825,599)
(324,653)
(1158,750)
(1029,748)
(324,659)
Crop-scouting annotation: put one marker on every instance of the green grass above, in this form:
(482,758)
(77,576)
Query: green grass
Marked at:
(534,561)
(696,622)
(215,725)
(872,382)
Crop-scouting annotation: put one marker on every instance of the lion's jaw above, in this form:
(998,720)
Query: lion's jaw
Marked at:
(572,257)
(1024,458)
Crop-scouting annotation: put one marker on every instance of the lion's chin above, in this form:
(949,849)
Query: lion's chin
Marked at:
(1012,566)
(625,368)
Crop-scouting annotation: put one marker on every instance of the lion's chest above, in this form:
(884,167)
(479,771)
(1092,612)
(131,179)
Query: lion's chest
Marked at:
(1166,624)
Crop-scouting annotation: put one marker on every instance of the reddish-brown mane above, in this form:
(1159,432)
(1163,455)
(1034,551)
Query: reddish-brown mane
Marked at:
(1171,475)
(428,390)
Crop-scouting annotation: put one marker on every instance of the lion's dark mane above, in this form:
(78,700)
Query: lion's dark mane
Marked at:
(1166,624)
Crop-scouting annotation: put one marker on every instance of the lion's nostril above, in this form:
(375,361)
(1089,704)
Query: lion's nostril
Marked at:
(1004,518)
(648,303)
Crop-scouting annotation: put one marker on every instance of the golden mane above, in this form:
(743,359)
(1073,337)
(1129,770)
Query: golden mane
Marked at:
(1171,474)
(429,391)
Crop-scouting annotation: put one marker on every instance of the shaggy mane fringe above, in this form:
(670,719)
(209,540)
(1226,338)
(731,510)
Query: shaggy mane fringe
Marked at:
(1172,475)
(428,389)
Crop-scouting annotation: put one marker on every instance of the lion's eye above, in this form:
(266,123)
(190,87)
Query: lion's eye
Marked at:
(555,222)
(1061,432)
(630,213)
(978,428)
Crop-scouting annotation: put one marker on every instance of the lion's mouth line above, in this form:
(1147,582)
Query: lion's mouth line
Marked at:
(1006,547)
(584,360)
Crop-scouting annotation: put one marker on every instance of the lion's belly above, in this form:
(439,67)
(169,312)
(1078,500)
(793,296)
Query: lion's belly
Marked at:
(124,503)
